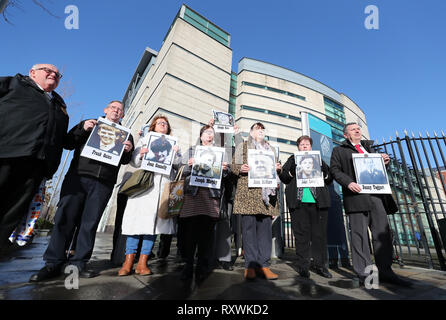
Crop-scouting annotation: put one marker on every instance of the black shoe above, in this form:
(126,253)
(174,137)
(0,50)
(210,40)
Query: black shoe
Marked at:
(187,273)
(304,273)
(226,265)
(322,271)
(394,279)
(201,274)
(358,282)
(87,274)
(46,273)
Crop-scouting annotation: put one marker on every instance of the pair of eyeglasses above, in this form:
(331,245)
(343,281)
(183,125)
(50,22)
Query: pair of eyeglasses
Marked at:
(162,123)
(49,71)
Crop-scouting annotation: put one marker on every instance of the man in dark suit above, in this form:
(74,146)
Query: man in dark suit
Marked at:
(371,175)
(33,128)
(364,210)
(85,192)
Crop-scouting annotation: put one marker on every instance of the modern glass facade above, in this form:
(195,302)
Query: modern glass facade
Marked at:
(336,118)
(273,90)
(233,94)
(206,26)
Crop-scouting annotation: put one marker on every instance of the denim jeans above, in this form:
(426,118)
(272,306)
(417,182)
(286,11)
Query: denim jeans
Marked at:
(131,245)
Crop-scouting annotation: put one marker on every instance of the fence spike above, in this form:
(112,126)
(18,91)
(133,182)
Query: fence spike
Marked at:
(427,133)
(405,132)
(442,133)
(419,133)
(435,133)
(413,135)
(396,132)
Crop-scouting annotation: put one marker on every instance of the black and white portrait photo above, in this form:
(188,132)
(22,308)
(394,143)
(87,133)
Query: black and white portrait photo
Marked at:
(308,169)
(207,167)
(160,156)
(159,149)
(371,173)
(105,142)
(223,122)
(262,168)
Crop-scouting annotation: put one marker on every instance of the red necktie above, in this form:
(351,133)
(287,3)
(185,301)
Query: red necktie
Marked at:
(358,147)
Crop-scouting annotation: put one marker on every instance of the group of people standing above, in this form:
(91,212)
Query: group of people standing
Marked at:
(89,183)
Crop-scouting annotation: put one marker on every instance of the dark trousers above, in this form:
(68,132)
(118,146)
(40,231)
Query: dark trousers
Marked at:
(19,182)
(164,245)
(196,236)
(82,200)
(117,255)
(376,220)
(257,240)
(309,226)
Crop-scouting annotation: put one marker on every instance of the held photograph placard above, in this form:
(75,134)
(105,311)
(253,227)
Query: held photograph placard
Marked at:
(106,142)
(207,168)
(371,173)
(160,155)
(308,169)
(223,122)
(262,169)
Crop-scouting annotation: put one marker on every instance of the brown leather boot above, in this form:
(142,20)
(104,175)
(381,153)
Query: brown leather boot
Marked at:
(127,266)
(250,274)
(267,273)
(141,267)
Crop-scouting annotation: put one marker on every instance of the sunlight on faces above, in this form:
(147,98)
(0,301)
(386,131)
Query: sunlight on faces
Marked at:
(305,145)
(258,133)
(353,133)
(162,126)
(114,111)
(46,76)
(207,137)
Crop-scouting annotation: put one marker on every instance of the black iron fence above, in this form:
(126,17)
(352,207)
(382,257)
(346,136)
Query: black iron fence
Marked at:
(417,175)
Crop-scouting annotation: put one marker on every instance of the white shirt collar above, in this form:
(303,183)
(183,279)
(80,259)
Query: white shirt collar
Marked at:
(49,94)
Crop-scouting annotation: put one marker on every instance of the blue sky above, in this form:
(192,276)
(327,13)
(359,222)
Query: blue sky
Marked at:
(395,74)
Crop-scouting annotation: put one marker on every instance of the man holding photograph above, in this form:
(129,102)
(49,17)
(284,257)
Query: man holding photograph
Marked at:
(364,210)
(85,192)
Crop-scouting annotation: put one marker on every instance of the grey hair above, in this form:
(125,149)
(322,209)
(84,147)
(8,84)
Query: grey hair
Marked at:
(37,65)
(348,124)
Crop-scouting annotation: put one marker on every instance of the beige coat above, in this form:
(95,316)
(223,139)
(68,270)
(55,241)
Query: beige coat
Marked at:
(249,200)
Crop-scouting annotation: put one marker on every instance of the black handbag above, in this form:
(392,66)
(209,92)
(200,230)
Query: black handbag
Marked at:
(140,181)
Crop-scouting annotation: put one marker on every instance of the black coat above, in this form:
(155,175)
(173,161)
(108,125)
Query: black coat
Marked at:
(76,139)
(30,124)
(341,167)
(288,176)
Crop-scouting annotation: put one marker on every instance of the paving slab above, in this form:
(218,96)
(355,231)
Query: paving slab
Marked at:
(221,285)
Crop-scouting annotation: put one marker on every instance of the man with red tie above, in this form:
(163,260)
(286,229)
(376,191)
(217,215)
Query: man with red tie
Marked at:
(365,210)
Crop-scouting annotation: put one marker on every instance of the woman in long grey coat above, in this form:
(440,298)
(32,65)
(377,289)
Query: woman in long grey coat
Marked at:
(141,213)
(257,207)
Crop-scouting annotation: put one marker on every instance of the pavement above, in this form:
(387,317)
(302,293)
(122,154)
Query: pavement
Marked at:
(221,285)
